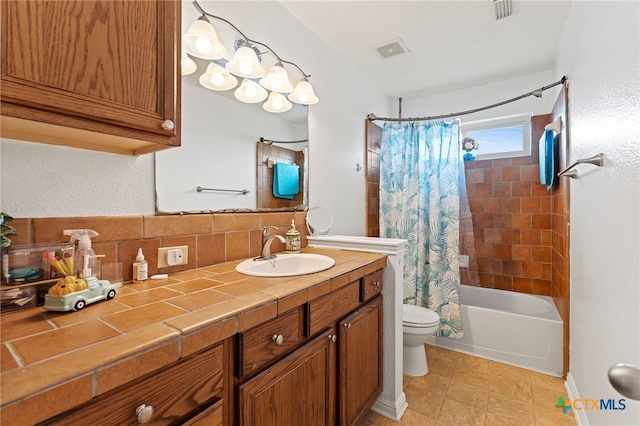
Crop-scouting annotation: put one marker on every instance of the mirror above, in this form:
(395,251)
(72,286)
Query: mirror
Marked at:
(219,152)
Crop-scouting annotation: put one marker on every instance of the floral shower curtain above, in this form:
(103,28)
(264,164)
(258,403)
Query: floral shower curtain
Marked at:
(420,164)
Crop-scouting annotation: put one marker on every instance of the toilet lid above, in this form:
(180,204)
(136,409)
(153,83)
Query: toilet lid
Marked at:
(417,316)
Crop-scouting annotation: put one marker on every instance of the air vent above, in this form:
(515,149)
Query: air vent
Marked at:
(390,48)
(502,8)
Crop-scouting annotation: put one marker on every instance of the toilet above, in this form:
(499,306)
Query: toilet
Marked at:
(418,325)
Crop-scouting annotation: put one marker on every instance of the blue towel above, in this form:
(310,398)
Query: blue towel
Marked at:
(547,152)
(286,180)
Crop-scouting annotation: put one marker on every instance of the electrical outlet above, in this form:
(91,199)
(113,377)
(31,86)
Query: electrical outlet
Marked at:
(173,256)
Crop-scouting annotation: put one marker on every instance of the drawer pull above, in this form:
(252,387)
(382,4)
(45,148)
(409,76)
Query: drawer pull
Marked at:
(144,412)
(333,338)
(376,283)
(168,125)
(347,326)
(278,338)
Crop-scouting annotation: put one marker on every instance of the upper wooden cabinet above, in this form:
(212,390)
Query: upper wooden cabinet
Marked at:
(99,75)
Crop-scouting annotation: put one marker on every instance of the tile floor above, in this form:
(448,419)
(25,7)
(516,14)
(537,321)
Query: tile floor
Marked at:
(461,389)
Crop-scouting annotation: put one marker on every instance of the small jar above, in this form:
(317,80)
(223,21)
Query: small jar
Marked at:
(293,239)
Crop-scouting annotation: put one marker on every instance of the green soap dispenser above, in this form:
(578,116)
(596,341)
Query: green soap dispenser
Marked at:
(293,239)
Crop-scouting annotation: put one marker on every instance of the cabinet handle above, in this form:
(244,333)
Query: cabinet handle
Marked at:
(347,326)
(278,338)
(376,283)
(168,125)
(333,338)
(144,413)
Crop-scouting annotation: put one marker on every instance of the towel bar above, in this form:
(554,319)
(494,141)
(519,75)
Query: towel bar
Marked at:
(596,160)
(243,191)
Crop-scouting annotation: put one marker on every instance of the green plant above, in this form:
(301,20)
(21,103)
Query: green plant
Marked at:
(5,229)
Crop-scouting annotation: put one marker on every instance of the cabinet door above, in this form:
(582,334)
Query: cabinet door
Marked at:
(360,362)
(298,390)
(104,66)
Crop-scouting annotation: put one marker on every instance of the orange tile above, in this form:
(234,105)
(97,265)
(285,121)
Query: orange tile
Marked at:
(23,323)
(148,296)
(257,316)
(43,375)
(199,299)
(95,311)
(203,338)
(237,244)
(114,375)
(174,225)
(47,404)
(211,249)
(109,228)
(143,316)
(232,222)
(62,340)
(7,361)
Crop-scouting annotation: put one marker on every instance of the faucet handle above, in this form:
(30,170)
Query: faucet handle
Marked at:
(266,231)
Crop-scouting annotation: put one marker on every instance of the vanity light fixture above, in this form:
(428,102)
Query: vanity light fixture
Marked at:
(217,78)
(250,92)
(276,102)
(277,80)
(187,64)
(201,41)
(245,63)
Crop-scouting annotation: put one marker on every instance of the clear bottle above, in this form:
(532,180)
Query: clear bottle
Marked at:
(293,239)
(85,261)
(140,267)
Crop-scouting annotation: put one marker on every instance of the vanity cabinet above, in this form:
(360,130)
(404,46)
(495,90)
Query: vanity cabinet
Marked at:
(332,377)
(298,390)
(191,392)
(99,75)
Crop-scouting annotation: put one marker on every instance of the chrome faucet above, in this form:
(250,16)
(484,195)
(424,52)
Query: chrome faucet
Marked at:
(266,247)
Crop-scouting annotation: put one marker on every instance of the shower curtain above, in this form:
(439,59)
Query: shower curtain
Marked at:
(420,164)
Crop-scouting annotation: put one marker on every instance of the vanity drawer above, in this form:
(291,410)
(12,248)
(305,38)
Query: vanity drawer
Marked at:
(267,342)
(327,310)
(176,394)
(371,285)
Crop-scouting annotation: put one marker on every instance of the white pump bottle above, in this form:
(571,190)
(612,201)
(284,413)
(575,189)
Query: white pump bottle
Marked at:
(85,261)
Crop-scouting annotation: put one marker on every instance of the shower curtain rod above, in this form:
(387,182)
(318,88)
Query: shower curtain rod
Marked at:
(537,93)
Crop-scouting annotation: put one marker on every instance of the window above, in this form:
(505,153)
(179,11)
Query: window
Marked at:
(503,137)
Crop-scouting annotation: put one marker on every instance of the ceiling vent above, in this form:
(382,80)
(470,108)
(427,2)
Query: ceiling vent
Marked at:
(391,48)
(502,8)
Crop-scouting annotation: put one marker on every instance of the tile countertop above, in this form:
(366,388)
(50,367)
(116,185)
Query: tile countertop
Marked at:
(147,326)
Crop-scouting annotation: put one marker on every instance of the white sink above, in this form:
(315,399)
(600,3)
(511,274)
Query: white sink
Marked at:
(286,265)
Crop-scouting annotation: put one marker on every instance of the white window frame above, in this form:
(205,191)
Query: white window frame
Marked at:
(507,121)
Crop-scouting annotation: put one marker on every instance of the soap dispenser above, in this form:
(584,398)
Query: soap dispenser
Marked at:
(85,261)
(293,239)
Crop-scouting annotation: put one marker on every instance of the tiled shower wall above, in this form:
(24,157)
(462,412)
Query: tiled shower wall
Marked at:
(511,215)
(264,174)
(212,238)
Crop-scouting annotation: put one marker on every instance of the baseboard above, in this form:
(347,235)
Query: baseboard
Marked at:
(391,410)
(572,392)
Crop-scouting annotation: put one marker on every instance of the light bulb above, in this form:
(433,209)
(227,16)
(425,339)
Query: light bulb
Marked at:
(217,79)
(251,91)
(245,67)
(277,104)
(304,98)
(203,45)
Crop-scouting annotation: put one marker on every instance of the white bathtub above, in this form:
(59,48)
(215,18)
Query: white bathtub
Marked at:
(515,328)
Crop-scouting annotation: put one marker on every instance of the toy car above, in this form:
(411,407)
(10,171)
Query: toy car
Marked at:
(96,290)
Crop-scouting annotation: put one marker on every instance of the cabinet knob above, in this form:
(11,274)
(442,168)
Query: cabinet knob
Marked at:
(278,338)
(144,412)
(347,326)
(376,283)
(333,338)
(168,125)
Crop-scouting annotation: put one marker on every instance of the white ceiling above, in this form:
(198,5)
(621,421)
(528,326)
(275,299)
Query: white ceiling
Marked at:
(452,44)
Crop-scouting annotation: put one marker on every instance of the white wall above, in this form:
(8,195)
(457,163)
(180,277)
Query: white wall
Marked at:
(600,55)
(488,94)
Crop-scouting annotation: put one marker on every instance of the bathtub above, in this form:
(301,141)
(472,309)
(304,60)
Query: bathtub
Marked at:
(515,328)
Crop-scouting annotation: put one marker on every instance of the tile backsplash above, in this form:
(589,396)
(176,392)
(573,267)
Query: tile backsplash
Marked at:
(212,238)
